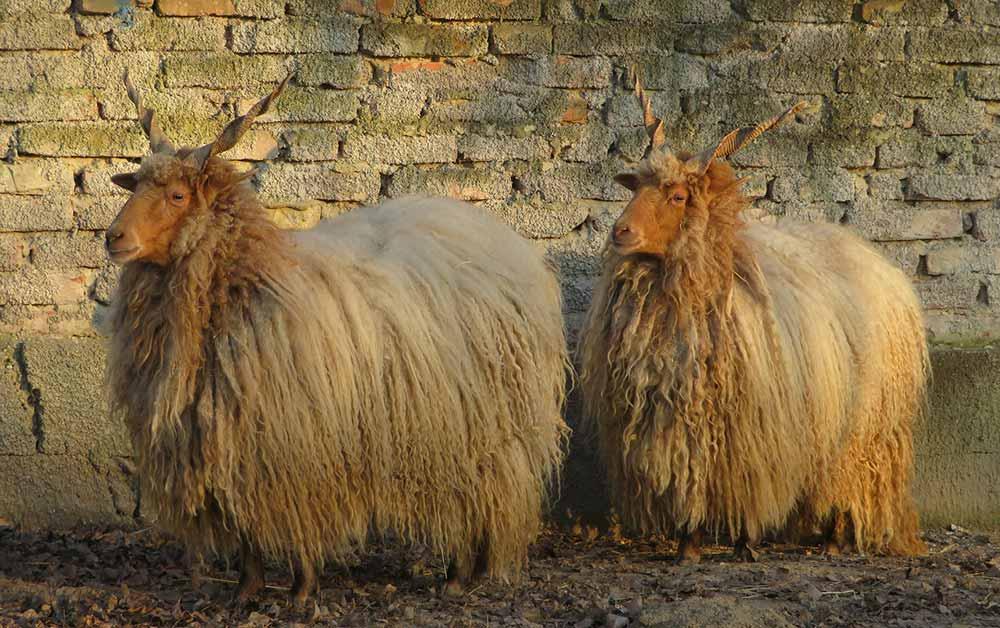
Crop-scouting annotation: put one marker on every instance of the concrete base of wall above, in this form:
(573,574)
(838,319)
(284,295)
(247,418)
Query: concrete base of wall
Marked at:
(64,463)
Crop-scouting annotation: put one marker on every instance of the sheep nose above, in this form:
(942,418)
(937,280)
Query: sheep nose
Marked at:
(622,234)
(111,235)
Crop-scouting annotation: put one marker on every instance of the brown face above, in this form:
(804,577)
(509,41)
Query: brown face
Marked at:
(148,223)
(652,219)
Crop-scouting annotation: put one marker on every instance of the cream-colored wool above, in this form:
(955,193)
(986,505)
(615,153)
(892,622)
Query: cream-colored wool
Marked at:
(755,372)
(400,367)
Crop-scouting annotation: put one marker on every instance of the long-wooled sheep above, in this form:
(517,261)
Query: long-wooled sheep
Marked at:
(399,368)
(741,376)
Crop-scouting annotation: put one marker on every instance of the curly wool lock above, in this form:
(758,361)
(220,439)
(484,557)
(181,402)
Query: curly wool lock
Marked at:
(399,368)
(751,374)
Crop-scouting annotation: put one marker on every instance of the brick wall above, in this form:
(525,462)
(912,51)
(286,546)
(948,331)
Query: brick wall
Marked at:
(518,105)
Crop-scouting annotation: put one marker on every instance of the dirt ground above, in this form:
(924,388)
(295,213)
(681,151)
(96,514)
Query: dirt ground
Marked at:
(119,578)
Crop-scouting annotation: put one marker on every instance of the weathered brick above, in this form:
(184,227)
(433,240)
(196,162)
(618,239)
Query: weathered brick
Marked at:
(247,8)
(984,83)
(314,143)
(730,37)
(779,148)
(956,45)
(565,182)
(925,80)
(386,39)
(83,139)
(15,7)
(14,251)
(221,69)
(947,260)
(952,116)
(687,11)
(885,186)
(398,150)
(471,184)
(851,150)
(612,39)
(905,12)
(337,71)
(851,112)
(167,33)
(23,179)
(563,71)
(814,184)
(953,187)
(481,9)
(104,7)
(957,292)
(623,110)
(175,108)
(886,221)
(912,149)
(286,185)
(68,251)
(392,111)
(538,219)
(308,104)
(804,11)
(502,148)
(979,12)
(456,78)
(97,175)
(587,143)
(35,213)
(54,105)
(364,8)
(96,212)
(51,70)
(296,35)
(672,71)
(521,39)
(825,43)
(38,31)
(33,286)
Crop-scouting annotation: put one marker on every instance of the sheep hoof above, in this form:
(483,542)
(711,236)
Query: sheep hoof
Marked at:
(453,588)
(746,554)
(687,561)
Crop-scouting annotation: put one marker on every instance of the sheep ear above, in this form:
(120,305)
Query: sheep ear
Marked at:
(735,140)
(126,180)
(628,179)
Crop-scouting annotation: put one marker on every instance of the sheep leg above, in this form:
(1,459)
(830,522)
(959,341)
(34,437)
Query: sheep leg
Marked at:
(460,571)
(743,550)
(464,569)
(251,574)
(303,583)
(838,533)
(689,552)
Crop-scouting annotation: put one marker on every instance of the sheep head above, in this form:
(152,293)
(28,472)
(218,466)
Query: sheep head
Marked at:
(171,183)
(665,184)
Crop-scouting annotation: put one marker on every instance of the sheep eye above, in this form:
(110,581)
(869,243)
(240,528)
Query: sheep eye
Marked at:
(679,198)
(177,196)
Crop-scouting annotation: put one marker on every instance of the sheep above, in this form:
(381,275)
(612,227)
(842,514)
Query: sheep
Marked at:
(742,377)
(399,369)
